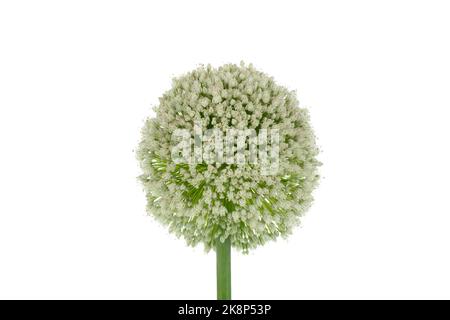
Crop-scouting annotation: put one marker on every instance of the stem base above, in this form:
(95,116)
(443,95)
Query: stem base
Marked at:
(223,264)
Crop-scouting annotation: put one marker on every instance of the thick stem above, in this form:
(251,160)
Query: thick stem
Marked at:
(223,254)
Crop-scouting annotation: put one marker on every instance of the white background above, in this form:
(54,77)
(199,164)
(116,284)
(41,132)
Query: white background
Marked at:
(78,78)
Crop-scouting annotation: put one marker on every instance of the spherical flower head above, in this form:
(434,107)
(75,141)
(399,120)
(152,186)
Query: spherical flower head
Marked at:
(251,190)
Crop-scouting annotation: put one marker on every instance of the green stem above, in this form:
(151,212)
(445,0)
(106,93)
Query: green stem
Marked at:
(223,254)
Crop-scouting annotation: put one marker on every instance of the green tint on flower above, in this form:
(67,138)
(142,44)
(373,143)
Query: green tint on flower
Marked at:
(205,202)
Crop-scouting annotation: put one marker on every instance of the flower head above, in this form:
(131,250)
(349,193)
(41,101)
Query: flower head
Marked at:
(256,198)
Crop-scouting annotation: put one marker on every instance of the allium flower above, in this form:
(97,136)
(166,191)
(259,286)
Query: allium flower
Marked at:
(210,202)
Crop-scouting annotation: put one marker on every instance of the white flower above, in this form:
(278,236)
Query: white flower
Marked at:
(208,203)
